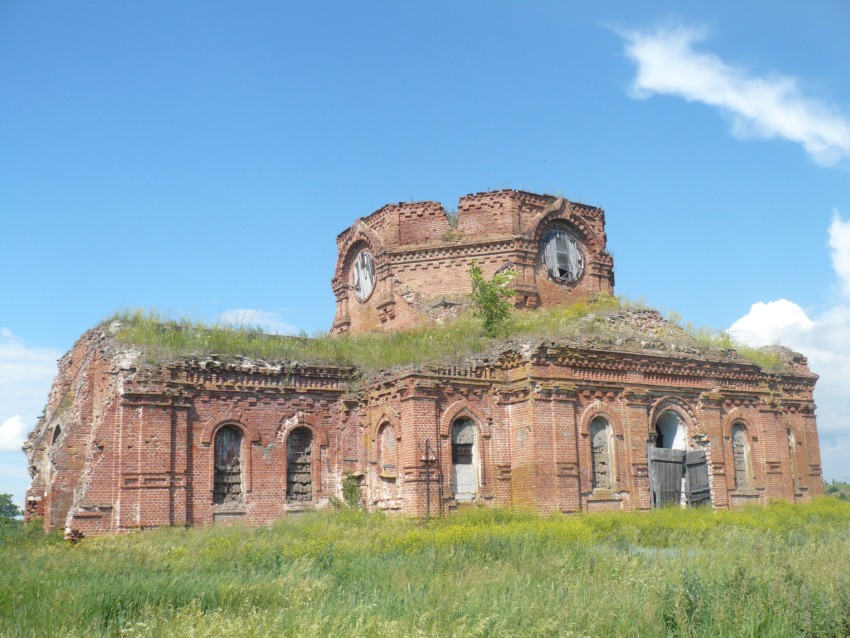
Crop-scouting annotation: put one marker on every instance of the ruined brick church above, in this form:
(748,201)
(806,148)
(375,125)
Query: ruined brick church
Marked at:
(555,425)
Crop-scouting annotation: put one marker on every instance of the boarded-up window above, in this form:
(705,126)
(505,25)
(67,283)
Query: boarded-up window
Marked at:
(600,448)
(562,255)
(792,444)
(299,466)
(227,480)
(386,441)
(363,275)
(464,460)
(740,455)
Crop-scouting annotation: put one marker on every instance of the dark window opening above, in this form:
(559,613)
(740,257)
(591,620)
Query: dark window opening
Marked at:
(562,255)
(299,466)
(227,480)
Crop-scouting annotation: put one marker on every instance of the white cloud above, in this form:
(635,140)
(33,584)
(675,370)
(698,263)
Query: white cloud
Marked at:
(12,433)
(825,340)
(26,374)
(760,106)
(771,322)
(270,322)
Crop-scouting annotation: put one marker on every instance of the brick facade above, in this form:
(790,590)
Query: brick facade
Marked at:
(421,259)
(126,445)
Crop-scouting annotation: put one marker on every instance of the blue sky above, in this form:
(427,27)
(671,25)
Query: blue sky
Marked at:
(200,158)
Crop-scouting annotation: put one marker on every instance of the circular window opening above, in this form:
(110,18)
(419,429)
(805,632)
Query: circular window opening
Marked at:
(364,275)
(562,255)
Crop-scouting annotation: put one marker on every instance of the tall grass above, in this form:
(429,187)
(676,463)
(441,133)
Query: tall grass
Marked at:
(778,571)
(453,342)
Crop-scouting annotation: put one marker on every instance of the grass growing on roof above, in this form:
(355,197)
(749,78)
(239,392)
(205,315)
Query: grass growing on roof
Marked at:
(453,342)
(783,570)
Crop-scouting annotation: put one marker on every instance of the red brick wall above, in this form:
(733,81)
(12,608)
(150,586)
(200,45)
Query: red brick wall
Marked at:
(419,257)
(137,443)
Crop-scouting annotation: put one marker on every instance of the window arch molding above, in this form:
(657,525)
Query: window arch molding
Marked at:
(799,461)
(385,418)
(385,458)
(599,409)
(249,430)
(246,461)
(745,481)
(562,214)
(461,410)
(362,239)
(319,434)
(680,408)
(320,441)
(457,410)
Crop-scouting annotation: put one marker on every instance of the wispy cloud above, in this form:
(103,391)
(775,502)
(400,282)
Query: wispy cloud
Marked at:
(825,340)
(270,322)
(766,107)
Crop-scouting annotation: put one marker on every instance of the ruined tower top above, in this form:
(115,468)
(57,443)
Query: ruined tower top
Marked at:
(407,263)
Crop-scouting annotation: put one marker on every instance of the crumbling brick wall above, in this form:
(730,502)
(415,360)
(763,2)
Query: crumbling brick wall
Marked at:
(136,442)
(421,259)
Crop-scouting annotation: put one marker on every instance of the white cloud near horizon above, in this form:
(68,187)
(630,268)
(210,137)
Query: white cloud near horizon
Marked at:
(825,340)
(761,107)
(12,433)
(270,322)
(26,374)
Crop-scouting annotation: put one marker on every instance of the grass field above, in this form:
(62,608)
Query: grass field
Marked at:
(778,571)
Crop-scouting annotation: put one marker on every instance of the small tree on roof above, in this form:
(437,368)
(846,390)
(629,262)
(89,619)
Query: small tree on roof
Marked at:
(491,300)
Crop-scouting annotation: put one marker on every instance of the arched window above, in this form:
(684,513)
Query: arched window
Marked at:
(387,451)
(56,432)
(792,445)
(601,454)
(740,456)
(227,479)
(363,275)
(299,466)
(670,431)
(562,255)
(464,460)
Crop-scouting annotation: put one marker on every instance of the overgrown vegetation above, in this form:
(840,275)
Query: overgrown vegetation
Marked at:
(454,342)
(491,299)
(838,489)
(783,570)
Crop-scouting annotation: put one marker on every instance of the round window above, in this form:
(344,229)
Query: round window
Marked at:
(562,255)
(363,274)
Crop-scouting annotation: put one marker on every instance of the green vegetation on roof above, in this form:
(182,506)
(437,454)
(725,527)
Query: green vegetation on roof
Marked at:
(604,320)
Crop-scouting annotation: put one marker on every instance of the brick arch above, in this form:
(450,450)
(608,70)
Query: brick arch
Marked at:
(461,409)
(319,434)
(387,417)
(249,435)
(739,416)
(361,237)
(616,449)
(320,437)
(735,415)
(680,407)
(595,409)
(801,456)
(219,419)
(457,410)
(566,215)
